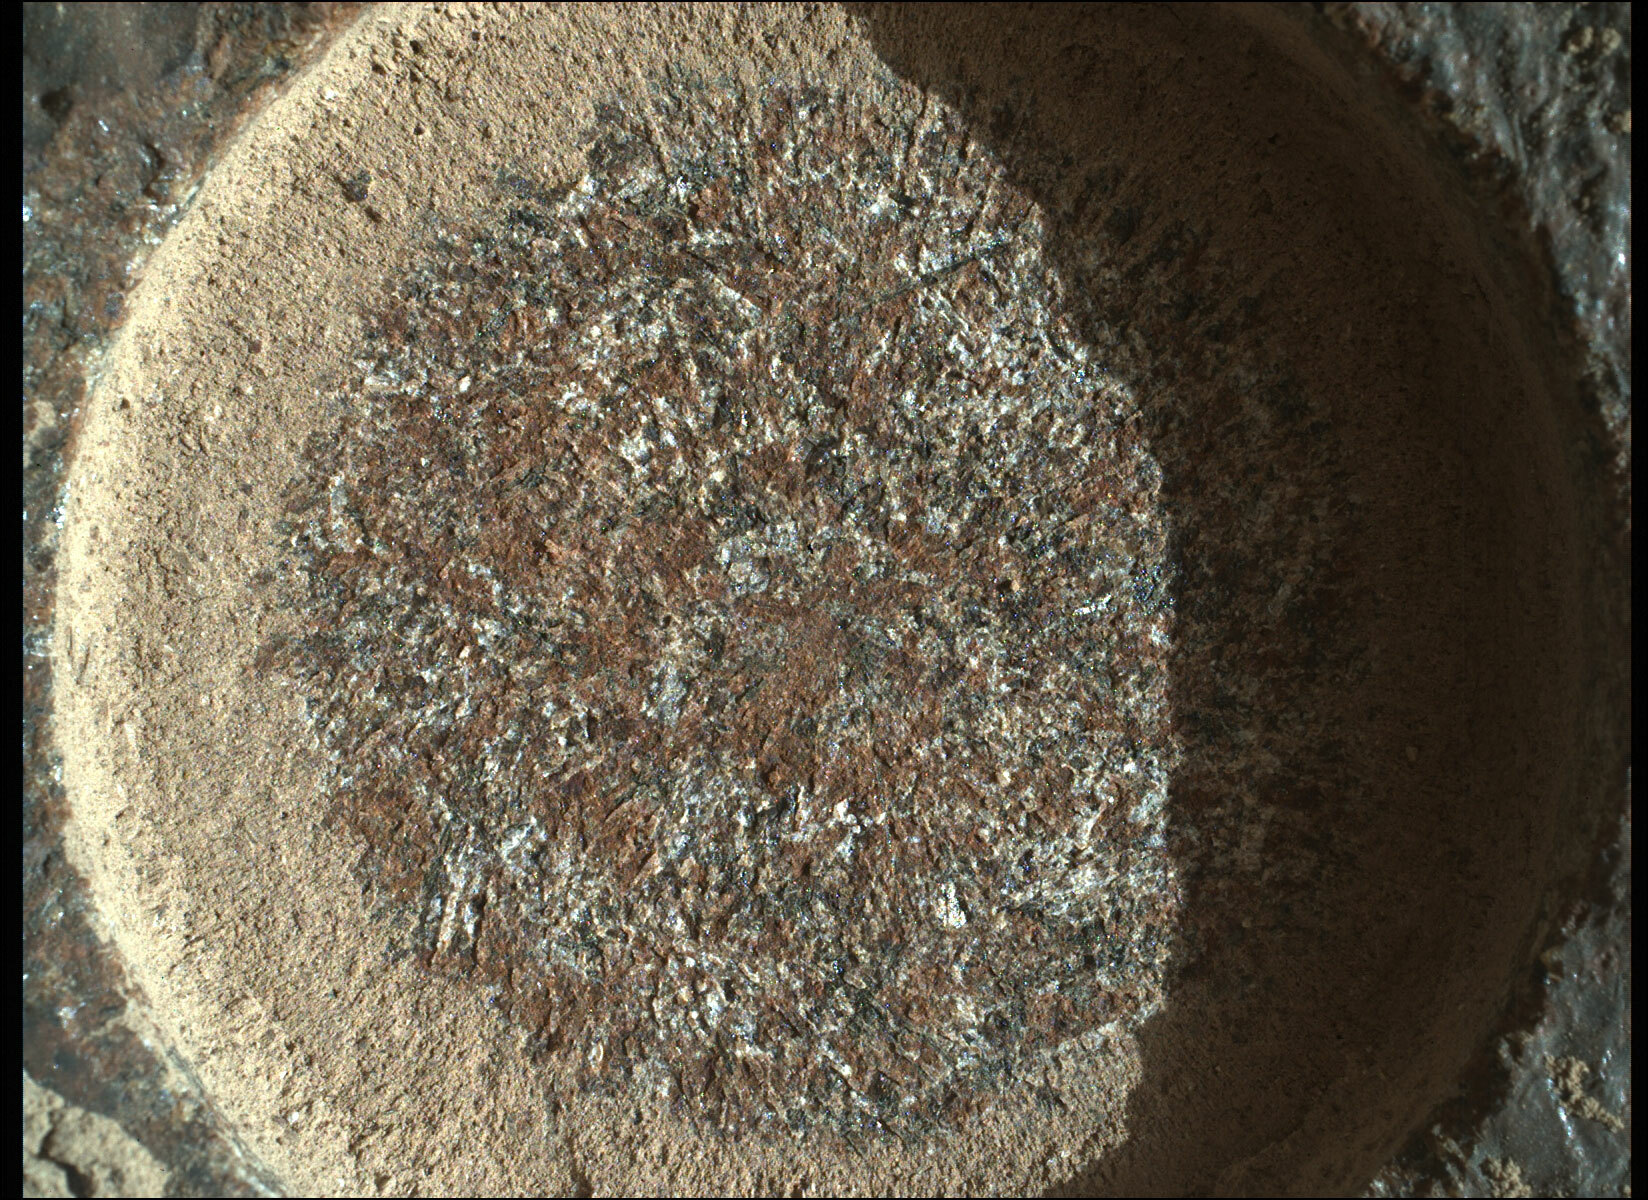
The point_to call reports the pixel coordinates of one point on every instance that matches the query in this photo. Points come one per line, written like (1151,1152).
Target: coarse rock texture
(68,1151)
(733,608)
(584,1070)
(124,107)
(612,539)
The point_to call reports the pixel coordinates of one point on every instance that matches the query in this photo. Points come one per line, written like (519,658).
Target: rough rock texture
(1552,145)
(798,752)
(68,1151)
(1563,134)
(123,108)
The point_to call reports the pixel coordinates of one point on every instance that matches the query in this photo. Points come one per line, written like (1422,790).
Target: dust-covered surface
(1254,834)
(123,109)
(68,1151)
(1536,100)
(1535,103)
(1560,1123)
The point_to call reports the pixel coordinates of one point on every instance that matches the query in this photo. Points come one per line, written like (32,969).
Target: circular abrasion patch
(738,623)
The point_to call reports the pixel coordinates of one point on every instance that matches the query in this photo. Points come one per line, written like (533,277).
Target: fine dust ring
(737,612)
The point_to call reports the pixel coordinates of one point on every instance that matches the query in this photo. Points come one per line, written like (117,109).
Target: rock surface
(1538,102)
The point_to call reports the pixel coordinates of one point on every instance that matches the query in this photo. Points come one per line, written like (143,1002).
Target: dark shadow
(1378,673)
